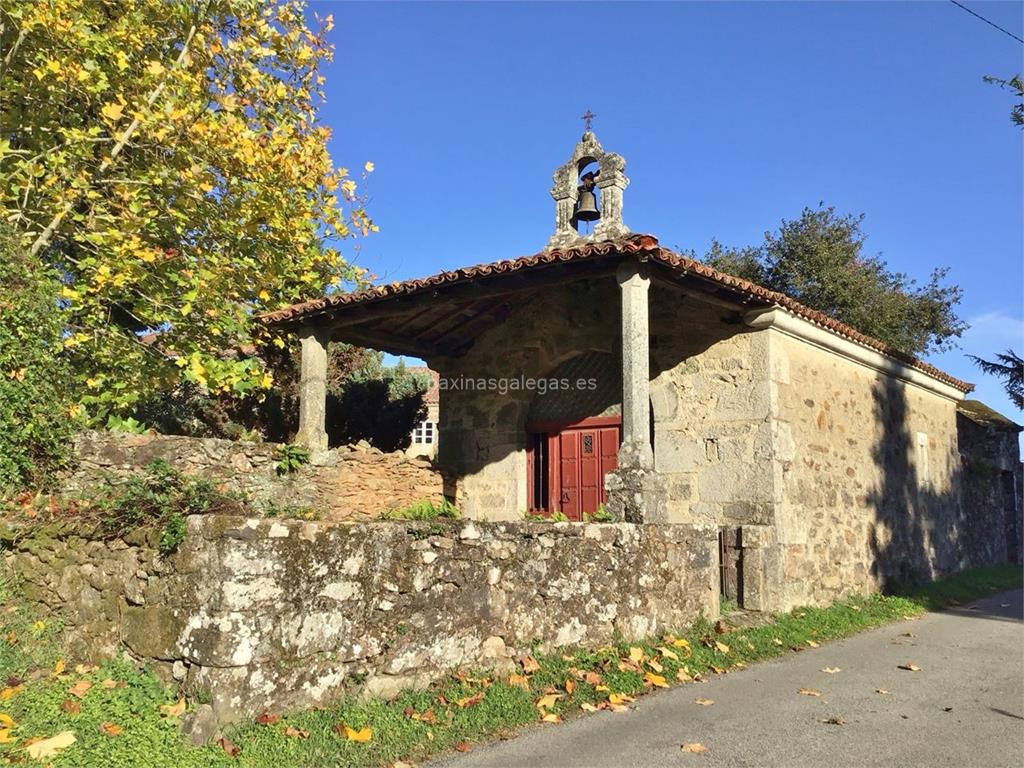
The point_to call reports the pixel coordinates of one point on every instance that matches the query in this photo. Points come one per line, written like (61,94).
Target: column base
(636,495)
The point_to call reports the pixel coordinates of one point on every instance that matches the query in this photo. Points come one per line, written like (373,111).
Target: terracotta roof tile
(638,244)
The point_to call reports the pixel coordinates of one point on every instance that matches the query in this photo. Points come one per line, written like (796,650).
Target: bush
(161,497)
(36,414)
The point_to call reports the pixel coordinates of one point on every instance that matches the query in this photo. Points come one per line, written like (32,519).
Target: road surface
(964,708)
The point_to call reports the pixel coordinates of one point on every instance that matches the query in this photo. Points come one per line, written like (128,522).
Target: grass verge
(43,696)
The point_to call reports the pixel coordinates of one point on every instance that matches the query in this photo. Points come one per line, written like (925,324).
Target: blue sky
(731,116)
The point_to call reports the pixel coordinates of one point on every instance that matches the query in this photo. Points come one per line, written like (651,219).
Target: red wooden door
(567,465)
(586,455)
(568,488)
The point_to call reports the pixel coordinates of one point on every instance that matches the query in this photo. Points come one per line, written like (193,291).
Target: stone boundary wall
(350,482)
(283,615)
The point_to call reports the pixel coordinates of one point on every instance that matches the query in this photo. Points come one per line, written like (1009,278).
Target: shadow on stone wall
(925,526)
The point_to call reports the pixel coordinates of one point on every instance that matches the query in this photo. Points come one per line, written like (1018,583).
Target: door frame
(551,430)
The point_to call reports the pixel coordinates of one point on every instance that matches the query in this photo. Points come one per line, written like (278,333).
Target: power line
(990,23)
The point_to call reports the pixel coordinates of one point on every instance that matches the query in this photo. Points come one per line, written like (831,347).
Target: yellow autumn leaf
(551,717)
(668,654)
(58,668)
(264,295)
(112,111)
(173,710)
(656,680)
(681,642)
(722,647)
(363,735)
(10,691)
(51,746)
(619,698)
(547,702)
(636,655)
(6,720)
(154,68)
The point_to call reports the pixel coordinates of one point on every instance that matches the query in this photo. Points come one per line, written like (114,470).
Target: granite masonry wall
(352,482)
(290,614)
(869,478)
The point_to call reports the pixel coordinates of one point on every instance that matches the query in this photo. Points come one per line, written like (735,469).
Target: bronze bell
(586,207)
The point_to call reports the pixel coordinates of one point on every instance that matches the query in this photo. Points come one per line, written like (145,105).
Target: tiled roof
(641,245)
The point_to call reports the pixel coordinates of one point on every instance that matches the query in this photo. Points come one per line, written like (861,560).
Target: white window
(424,433)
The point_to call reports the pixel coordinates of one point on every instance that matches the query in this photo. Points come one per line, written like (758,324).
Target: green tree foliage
(1016,86)
(1009,367)
(167,158)
(819,260)
(36,416)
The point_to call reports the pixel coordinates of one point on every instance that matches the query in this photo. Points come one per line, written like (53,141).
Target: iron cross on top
(588,120)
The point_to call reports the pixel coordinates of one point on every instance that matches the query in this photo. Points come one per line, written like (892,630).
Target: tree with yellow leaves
(167,159)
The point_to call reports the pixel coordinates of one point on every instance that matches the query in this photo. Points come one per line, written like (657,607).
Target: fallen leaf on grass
(58,668)
(593,678)
(79,688)
(636,655)
(462,746)
(265,719)
(833,721)
(831,670)
(519,681)
(812,644)
(586,706)
(470,701)
(695,748)
(84,669)
(71,707)
(547,702)
(174,710)
(656,680)
(229,746)
(809,692)
(703,702)
(5,736)
(108,684)
(681,643)
(909,667)
(10,691)
(110,729)
(551,717)
(296,732)
(619,698)
(722,647)
(653,664)
(683,676)
(362,736)
(530,664)
(570,686)
(6,720)
(722,628)
(51,746)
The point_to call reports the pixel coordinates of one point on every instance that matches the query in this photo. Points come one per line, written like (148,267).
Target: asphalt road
(964,708)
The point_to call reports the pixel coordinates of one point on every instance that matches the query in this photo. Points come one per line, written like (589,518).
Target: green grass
(424,509)
(150,739)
